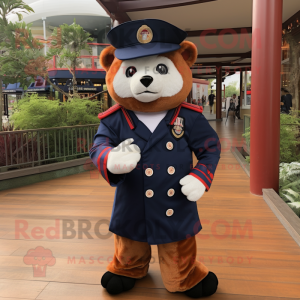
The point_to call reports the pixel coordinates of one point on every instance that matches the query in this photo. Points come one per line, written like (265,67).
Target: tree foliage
(9,7)
(231,89)
(23,58)
(68,41)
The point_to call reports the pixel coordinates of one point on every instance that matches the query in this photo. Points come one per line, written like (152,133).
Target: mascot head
(148,65)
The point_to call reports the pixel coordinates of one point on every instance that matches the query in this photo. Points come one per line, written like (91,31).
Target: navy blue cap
(144,38)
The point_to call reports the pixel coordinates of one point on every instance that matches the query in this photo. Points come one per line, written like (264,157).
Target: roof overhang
(221,29)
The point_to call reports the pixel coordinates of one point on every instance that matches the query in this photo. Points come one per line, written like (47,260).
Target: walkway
(242,240)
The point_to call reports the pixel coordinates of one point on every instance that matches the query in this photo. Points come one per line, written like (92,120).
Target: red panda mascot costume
(144,148)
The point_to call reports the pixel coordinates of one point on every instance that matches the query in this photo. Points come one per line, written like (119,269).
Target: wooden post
(265,107)
(219,93)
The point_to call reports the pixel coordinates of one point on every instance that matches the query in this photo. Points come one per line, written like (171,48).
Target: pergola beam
(241,55)
(113,9)
(229,64)
(141,5)
(219,32)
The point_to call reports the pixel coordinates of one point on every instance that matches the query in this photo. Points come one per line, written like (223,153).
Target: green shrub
(289,137)
(246,135)
(289,185)
(32,112)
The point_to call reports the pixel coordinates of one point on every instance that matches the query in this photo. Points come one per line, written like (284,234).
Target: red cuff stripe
(210,174)
(104,166)
(99,157)
(200,179)
(203,174)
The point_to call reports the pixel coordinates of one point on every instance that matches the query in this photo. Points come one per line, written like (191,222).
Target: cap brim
(142,50)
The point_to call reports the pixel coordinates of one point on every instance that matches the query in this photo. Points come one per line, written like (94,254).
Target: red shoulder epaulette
(188,106)
(109,111)
(114,109)
(192,107)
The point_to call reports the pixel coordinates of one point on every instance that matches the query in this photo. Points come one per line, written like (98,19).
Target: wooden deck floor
(262,262)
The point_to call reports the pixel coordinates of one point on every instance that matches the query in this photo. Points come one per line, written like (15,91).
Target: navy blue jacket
(165,214)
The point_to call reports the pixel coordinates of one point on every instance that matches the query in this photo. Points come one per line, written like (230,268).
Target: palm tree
(7,8)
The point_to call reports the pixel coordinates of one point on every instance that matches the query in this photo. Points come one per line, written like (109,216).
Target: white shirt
(152,119)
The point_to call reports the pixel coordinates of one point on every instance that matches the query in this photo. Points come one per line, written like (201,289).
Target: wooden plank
(23,288)
(263,267)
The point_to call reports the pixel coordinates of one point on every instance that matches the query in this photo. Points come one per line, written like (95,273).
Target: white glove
(192,187)
(123,158)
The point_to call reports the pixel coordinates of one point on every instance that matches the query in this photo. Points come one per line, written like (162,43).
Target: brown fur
(183,59)
(179,268)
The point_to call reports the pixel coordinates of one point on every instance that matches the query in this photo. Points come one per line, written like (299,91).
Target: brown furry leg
(131,258)
(179,268)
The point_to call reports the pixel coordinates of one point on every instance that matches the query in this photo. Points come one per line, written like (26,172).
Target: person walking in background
(235,100)
(203,101)
(211,99)
(288,101)
(283,101)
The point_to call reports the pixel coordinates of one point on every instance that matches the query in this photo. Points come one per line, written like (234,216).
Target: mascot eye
(162,69)
(130,71)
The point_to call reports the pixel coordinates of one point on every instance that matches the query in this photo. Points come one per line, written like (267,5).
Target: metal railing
(36,147)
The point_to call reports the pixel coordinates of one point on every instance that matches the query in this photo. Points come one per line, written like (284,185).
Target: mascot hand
(192,187)
(124,158)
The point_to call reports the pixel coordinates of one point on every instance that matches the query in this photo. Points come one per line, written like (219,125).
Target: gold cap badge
(144,34)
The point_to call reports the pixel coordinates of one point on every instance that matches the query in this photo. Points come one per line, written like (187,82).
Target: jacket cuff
(102,162)
(202,174)
(112,179)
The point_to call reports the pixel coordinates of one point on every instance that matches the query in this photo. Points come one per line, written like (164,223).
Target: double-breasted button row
(149,172)
(150,193)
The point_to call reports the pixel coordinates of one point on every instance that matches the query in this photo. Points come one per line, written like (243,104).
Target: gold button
(149,193)
(149,172)
(170,212)
(171,170)
(169,145)
(171,192)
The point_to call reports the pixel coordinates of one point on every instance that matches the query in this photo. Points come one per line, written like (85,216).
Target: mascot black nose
(146,80)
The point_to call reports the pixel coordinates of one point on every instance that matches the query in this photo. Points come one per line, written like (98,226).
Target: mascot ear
(189,52)
(107,57)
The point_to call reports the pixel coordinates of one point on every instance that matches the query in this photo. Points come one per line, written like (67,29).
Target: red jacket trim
(188,106)
(210,174)
(114,109)
(128,118)
(203,174)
